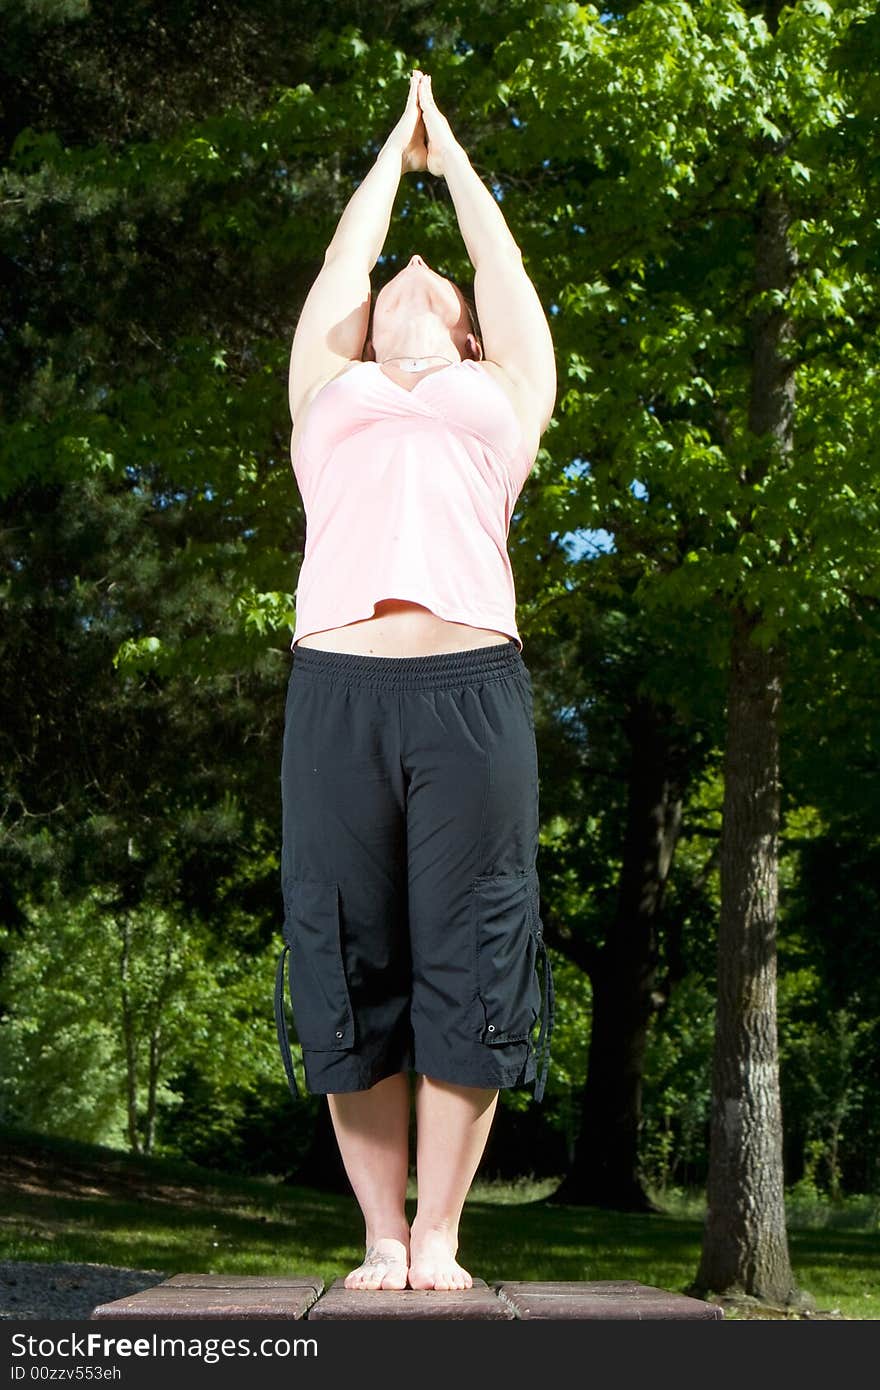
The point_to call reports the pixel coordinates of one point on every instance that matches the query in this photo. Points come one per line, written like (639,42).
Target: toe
(383,1274)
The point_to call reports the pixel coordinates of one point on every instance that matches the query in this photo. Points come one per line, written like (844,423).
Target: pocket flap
(319,992)
(506,953)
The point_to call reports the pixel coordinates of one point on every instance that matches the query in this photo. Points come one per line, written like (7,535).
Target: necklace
(416,364)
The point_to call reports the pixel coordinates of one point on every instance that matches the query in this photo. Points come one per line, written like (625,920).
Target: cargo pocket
(506,954)
(319,993)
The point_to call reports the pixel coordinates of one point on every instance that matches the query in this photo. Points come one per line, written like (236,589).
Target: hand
(441,140)
(409,136)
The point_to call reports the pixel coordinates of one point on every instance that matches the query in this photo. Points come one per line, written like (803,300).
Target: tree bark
(156,1054)
(745,1247)
(155,1066)
(128,1033)
(605,1171)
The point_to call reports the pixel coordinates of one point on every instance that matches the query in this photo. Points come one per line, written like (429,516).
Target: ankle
(430,1224)
(392,1229)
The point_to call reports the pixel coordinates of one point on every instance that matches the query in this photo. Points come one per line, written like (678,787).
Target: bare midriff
(401,628)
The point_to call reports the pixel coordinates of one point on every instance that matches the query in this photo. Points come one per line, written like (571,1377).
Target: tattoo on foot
(377,1257)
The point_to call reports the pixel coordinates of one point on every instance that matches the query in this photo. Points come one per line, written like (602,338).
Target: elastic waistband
(410,672)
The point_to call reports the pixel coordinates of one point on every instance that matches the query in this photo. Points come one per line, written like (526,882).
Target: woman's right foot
(384,1266)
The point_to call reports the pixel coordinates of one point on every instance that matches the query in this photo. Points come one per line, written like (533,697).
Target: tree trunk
(745,1247)
(605,1171)
(155,1054)
(155,1066)
(128,1034)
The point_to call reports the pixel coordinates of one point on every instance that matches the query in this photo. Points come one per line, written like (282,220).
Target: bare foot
(384,1266)
(432,1262)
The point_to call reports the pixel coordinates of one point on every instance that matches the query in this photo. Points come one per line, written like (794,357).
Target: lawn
(66,1201)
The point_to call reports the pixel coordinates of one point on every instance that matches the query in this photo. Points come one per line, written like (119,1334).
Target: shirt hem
(499,622)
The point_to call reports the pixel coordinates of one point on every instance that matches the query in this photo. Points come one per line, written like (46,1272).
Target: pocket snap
(506,956)
(319,993)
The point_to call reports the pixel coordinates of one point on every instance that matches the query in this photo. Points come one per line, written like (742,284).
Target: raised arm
(516,334)
(332,326)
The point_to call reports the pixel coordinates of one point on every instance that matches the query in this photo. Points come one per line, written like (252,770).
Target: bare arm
(332,326)
(516,334)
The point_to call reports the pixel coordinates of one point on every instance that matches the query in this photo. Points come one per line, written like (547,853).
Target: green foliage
(100,1005)
(822,1075)
(678,1089)
(166,196)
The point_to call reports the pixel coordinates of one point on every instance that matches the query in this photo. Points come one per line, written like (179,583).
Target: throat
(415,364)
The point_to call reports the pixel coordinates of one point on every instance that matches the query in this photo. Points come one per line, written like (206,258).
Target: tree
(745,1247)
(715,177)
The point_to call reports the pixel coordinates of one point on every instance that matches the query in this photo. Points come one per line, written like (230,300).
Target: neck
(417,364)
(417,336)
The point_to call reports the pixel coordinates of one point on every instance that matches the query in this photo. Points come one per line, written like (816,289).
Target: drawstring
(281,1022)
(548,1010)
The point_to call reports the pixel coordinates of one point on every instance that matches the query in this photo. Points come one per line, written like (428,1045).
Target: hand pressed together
(423,135)
(409,135)
(441,140)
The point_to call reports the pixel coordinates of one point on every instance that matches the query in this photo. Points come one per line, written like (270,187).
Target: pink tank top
(409,495)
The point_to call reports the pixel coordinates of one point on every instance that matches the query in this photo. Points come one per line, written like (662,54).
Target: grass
(66,1201)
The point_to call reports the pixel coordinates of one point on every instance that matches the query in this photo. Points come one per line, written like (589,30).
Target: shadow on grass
(539,1241)
(64,1201)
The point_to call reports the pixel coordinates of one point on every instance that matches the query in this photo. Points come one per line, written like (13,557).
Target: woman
(409,771)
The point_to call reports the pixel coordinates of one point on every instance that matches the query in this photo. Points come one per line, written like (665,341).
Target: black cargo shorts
(409,790)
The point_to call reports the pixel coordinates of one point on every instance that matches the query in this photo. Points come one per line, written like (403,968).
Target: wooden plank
(208,1296)
(568,1286)
(280,1297)
(242,1281)
(600,1299)
(477,1303)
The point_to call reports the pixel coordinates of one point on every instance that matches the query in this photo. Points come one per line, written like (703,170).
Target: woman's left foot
(432,1262)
